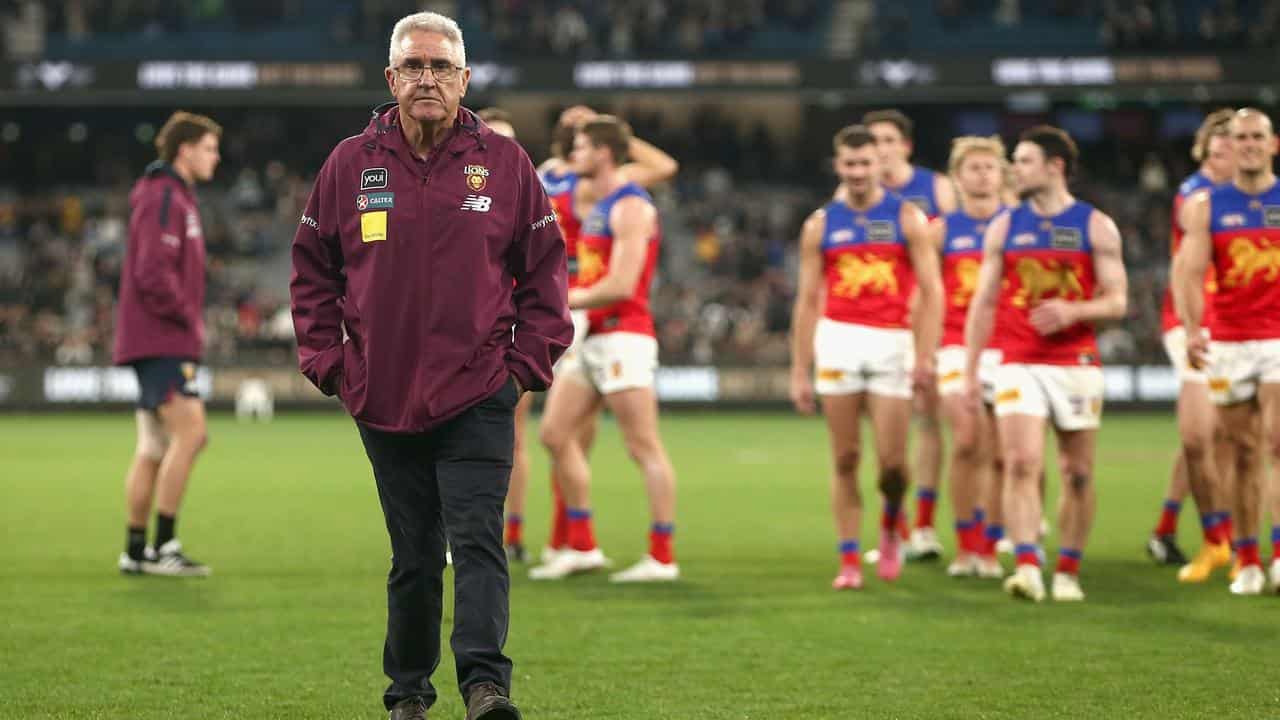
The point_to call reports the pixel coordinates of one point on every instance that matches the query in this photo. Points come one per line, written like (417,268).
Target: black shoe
(169,560)
(414,708)
(515,553)
(486,701)
(1165,551)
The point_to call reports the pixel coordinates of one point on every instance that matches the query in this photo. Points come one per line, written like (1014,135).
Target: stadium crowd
(724,288)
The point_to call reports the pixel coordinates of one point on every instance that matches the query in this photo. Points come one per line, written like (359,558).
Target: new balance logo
(477,203)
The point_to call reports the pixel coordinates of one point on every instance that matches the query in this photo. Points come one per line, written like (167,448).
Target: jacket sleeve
(536,260)
(318,285)
(158,232)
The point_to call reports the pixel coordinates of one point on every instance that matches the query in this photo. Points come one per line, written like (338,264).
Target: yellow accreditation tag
(373,226)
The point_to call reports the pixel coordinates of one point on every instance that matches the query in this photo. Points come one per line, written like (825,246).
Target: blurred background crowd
(731,218)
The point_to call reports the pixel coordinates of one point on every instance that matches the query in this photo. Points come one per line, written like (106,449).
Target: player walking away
(1236,228)
(865,253)
(617,256)
(1052,267)
(1196,417)
(934,194)
(573,197)
(160,332)
(977,165)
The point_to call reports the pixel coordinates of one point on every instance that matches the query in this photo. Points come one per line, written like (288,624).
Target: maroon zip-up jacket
(160,311)
(419,286)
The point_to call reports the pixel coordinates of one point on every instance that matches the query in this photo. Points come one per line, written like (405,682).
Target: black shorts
(160,378)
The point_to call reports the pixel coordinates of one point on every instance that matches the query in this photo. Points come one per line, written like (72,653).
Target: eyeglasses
(442,70)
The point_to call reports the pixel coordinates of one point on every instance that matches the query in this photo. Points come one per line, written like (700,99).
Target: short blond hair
(966,145)
(1216,124)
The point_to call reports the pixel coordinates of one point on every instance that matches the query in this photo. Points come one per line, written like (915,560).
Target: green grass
(291,624)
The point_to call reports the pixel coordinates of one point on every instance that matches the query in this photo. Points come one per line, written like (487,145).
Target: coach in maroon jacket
(429,292)
(160,333)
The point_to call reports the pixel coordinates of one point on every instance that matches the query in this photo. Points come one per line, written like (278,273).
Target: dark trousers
(449,482)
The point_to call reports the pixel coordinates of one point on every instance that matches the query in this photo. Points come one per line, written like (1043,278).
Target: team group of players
(968,299)
(982,309)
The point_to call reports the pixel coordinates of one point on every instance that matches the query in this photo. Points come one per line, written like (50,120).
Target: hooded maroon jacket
(160,312)
(409,275)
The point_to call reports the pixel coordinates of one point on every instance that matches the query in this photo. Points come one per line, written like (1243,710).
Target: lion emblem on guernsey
(1249,261)
(590,265)
(1051,278)
(864,273)
(967,281)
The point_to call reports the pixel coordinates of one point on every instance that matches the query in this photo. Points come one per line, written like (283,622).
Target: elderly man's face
(433,97)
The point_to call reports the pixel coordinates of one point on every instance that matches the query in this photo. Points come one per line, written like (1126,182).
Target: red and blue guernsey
(1046,258)
(560,186)
(920,190)
(1246,256)
(1197,182)
(595,248)
(961,260)
(866,264)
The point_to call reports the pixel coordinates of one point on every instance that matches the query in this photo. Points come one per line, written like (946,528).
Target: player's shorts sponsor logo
(1271,215)
(869,273)
(375,201)
(1250,260)
(615,369)
(1051,278)
(880,231)
(477,176)
(840,236)
(951,376)
(1066,238)
(829,374)
(373,178)
(1024,239)
(1219,385)
(1011,395)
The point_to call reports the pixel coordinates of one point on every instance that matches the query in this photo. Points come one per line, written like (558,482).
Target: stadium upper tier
(584,29)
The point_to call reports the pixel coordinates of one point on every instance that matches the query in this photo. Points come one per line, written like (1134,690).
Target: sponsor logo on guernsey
(880,231)
(477,176)
(1024,239)
(373,178)
(1271,216)
(375,201)
(477,203)
(1066,238)
(964,242)
(1232,220)
(308,221)
(595,224)
(840,236)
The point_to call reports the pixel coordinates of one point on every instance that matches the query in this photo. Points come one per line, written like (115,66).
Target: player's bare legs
(1198,461)
(636,410)
(140,487)
(1269,404)
(972,451)
(843,414)
(890,424)
(1239,422)
(924,544)
(570,403)
(1022,447)
(181,423)
(1077,504)
(517,490)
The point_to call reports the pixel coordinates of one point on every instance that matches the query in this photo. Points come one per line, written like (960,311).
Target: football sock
(925,501)
(1168,524)
(135,542)
(165,528)
(1069,561)
(660,535)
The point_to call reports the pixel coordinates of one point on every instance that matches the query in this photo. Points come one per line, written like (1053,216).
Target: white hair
(427,22)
